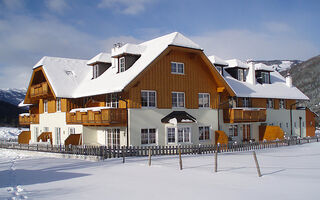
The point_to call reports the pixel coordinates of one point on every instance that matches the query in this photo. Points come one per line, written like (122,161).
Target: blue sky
(244,29)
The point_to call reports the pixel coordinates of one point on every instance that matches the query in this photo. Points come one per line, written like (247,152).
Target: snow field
(10,132)
(287,173)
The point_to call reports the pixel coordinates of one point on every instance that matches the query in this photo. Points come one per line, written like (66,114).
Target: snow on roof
(261,66)
(22,104)
(218,61)
(237,63)
(65,74)
(129,49)
(100,58)
(277,89)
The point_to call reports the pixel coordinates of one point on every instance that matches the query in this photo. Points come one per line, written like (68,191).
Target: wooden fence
(106,152)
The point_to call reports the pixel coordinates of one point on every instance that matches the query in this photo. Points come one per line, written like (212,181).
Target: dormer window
(177,68)
(241,76)
(122,64)
(219,68)
(95,71)
(263,77)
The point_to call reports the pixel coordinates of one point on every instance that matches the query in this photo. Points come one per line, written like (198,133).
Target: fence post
(257,164)
(180,160)
(149,156)
(123,155)
(216,161)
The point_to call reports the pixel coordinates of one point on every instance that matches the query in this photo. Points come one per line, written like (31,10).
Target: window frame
(247,100)
(177,103)
(45,106)
(177,68)
(112,96)
(58,105)
(204,138)
(233,130)
(122,60)
(148,137)
(265,77)
(148,98)
(176,134)
(203,99)
(282,105)
(268,103)
(71,132)
(95,71)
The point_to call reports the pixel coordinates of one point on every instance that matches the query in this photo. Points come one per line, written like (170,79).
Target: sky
(243,29)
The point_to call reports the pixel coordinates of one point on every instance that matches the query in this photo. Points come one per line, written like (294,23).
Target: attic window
(241,75)
(95,71)
(122,64)
(177,68)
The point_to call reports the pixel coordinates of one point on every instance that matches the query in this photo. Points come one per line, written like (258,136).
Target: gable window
(246,102)
(122,64)
(281,104)
(177,68)
(204,133)
(269,103)
(95,71)
(45,106)
(148,98)
(177,99)
(112,100)
(148,136)
(233,130)
(58,105)
(204,100)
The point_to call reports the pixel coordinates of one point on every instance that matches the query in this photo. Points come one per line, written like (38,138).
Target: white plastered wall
(96,135)
(52,121)
(151,118)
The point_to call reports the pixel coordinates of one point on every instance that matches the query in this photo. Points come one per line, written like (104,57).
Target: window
(148,98)
(282,104)
(71,130)
(302,124)
(204,100)
(280,124)
(58,136)
(95,71)
(219,69)
(58,105)
(113,137)
(265,77)
(184,134)
(45,106)
(177,68)
(122,65)
(171,135)
(241,76)
(287,125)
(246,102)
(148,136)
(112,100)
(204,133)
(36,133)
(295,124)
(269,103)
(233,130)
(177,99)
(45,129)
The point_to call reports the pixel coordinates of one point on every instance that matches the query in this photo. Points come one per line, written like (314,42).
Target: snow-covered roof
(277,89)
(72,78)
(100,58)
(65,74)
(128,49)
(261,66)
(217,61)
(237,63)
(22,104)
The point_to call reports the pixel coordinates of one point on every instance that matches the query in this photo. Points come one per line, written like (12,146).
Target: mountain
(12,96)
(279,65)
(9,114)
(306,77)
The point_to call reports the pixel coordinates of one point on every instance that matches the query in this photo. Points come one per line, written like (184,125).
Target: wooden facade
(244,115)
(310,123)
(28,119)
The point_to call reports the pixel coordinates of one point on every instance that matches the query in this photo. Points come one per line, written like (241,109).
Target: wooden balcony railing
(27,119)
(241,115)
(103,117)
(39,90)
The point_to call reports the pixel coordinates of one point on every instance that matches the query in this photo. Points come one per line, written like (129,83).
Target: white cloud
(130,7)
(246,44)
(58,6)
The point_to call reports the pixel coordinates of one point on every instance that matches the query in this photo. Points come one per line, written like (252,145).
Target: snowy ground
(288,173)
(10,132)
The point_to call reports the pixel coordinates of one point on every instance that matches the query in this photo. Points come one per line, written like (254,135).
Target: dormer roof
(263,67)
(217,61)
(100,58)
(237,63)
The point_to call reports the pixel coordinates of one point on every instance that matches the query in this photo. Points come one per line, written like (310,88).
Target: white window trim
(95,71)
(58,139)
(268,105)
(58,102)
(176,134)
(124,63)
(203,140)
(112,102)
(155,144)
(199,100)
(148,99)
(284,104)
(176,72)
(184,100)
(45,106)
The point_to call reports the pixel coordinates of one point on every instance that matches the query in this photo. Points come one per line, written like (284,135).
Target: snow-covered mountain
(12,96)
(279,65)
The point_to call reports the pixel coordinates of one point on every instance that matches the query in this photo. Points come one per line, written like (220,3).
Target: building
(165,91)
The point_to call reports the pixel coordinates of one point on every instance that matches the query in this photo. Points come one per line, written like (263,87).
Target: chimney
(251,77)
(289,80)
(114,61)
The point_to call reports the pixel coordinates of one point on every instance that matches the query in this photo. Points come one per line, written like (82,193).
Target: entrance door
(113,137)
(246,132)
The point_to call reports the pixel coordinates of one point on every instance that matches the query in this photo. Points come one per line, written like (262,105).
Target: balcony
(39,91)
(242,115)
(27,119)
(98,116)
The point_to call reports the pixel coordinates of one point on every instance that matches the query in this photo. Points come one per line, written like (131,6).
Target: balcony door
(58,135)
(113,137)
(246,129)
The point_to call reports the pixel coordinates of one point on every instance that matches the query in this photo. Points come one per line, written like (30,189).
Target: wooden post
(123,154)
(149,156)
(216,161)
(257,164)
(180,160)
